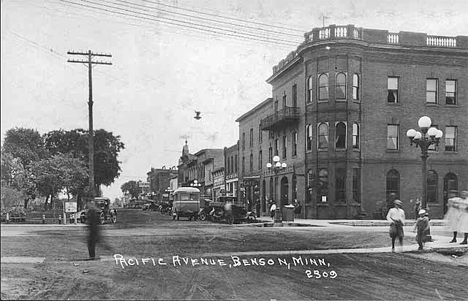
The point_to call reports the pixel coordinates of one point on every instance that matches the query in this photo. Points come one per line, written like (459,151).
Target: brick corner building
(340,108)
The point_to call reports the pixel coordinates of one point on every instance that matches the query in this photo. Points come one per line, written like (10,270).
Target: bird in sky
(197,115)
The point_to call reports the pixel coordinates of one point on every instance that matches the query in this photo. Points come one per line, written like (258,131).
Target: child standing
(422,228)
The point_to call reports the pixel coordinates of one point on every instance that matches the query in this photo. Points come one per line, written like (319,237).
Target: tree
(25,144)
(132,188)
(106,151)
(57,173)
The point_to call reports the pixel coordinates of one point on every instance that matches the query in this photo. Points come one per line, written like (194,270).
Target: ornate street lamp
(195,184)
(424,139)
(277,166)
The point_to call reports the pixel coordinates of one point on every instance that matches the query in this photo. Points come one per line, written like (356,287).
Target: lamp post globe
(424,122)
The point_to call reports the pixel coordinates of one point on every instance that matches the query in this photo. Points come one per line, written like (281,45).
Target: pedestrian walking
(463,220)
(422,228)
(94,235)
(396,217)
(452,217)
(272,209)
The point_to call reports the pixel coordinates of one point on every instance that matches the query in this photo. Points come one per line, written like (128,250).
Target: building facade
(159,182)
(231,164)
(341,105)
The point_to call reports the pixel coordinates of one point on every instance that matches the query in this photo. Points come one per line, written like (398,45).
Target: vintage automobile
(186,203)
(238,213)
(151,206)
(106,213)
(205,209)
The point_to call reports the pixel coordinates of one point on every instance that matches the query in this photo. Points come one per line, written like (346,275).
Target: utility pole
(90,64)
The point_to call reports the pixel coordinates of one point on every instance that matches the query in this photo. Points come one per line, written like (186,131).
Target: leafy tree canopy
(132,188)
(25,144)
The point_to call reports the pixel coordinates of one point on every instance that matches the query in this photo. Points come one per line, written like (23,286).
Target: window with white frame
(310,89)
(451,92)
(340,135)
(392,137)
(355,135)
(323,87)
(309,137)
(431,90)
(355,87)
(294,144)
(392,84)
(450,138)
(322,136)
(340,86)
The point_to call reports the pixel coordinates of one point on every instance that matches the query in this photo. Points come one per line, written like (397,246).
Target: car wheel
(113,218)
(251,219)
(202,216)
(82,219)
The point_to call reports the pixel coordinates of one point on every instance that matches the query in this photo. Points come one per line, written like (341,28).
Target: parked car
(106,213)
(151,206)
(238,212)
(205,208)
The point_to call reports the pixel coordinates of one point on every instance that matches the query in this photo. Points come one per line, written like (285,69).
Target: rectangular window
(260,134)
(276,147)
(355,136)
(243,141)
(431,90)
(451,92)
(355,87)
(309,89)
(251,137)
(309,137)
(285,146)
(236,164)
(260,161)
(340,182)
(294,151)
(243,165)
(294,96)
(450,138)
(392,137)
(270,154)
(357,185)
(284,101)
(392,96)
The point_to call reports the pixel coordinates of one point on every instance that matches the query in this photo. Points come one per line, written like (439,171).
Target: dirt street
(156,258)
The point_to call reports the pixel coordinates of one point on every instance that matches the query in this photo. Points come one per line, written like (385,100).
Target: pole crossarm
(87,62)
(87,53)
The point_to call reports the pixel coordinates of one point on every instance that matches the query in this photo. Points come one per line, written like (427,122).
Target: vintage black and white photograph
(234,150)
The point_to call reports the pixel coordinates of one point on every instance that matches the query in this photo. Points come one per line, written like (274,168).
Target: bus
(186,203)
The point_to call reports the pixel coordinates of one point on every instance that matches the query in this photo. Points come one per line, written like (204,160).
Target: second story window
(392,137)
(340,139)
(294,96)
(243,164)
(451,92)
(323,87)
(309,137)
(450,138)
(243,141)
(355,87)
(270,154)
(251,163)
(356,136)
(276,106)
(260,161)
(310,89)
(392,96)
(260,134)
(323,136)
(284,100)
(294,144)
(340,91)
(285,146)
(276,147)
(251,137)
(431,90)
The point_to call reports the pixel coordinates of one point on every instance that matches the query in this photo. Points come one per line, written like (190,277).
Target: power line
(200,27)
(226,17)
(212,20)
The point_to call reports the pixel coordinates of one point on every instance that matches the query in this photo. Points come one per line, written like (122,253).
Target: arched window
(355,87)
(340,87)
(340,139)
(393,182)
(309,89)
(323,136)
(432,180)
(323,87)
(355,136)
(323,182)
(309,137)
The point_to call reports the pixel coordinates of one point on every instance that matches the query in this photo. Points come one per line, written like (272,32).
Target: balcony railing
(283,117)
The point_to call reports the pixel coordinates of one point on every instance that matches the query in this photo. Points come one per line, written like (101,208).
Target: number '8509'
(320,274)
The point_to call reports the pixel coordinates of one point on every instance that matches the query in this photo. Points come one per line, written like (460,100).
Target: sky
(169,59)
